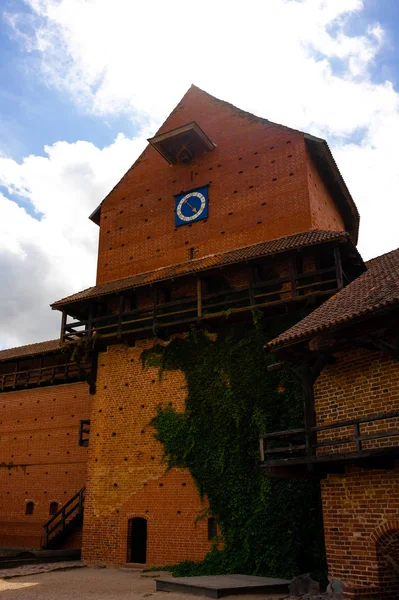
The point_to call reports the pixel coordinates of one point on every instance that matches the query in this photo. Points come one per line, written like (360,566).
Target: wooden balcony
(200,306)
(45,375)
(370,442)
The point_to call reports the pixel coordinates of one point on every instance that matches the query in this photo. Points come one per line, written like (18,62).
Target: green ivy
(269,526)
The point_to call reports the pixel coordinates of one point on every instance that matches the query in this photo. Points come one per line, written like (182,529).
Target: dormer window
(183,144)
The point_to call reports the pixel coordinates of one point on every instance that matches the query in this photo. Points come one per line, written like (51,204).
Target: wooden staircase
(70,516)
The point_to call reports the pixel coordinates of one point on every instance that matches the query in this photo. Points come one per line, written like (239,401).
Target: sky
(84,83)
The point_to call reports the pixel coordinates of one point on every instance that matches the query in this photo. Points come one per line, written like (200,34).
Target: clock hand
(191,206)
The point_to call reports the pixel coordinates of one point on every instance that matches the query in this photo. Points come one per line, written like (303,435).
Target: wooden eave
(159,142)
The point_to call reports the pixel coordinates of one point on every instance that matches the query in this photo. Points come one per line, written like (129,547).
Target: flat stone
(156,574)
(217,586)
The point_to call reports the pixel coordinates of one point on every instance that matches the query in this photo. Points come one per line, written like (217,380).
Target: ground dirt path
(94,584)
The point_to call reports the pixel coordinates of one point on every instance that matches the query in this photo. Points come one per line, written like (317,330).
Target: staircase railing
(60,520)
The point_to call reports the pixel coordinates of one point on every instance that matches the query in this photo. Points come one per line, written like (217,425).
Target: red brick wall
(258,178)
(360,508)
(126,473)
(40,459)
(325,214)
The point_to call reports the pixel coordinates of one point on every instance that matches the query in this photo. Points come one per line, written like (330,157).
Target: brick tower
(223,212)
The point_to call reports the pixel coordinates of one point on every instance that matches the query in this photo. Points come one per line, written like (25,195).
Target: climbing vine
(269,526)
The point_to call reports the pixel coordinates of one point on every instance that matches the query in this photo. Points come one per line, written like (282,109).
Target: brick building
(223,211)
(44,396)
(351,343)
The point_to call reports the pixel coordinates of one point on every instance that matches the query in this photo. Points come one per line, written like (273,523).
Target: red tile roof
(374,290)
(30,350)
(283,244)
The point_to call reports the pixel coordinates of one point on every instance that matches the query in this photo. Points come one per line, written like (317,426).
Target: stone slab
(217,586)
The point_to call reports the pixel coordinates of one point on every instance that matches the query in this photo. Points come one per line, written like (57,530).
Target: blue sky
(34,114)
(85,82)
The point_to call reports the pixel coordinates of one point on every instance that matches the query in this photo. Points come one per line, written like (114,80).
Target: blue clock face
(191,206)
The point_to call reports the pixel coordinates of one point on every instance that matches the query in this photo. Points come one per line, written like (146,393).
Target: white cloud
(44,260)
(277,59)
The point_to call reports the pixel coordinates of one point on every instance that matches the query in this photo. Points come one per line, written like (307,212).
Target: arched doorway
(137,540)
(388,563)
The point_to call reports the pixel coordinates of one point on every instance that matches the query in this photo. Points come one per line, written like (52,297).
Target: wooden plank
(309,413)
(120,313)
(199,297)
(250,273)
(293,275)
(154,305)
(338,268)
(63,323)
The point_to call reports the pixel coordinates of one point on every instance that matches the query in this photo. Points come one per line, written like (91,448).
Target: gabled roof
(374,290)
(278,245)
(30,350)
(318,149)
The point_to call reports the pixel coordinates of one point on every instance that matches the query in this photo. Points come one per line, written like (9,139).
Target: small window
(212,528)
(29,508)
(53,508)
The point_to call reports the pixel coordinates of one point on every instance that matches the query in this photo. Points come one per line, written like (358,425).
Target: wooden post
(121,310)
(63,323)
(293,274)
(338,268)
(16,373)
(262,449)
(41,368)
(154,305)
(89,325)
(199,298)
(309,412)
(251,285)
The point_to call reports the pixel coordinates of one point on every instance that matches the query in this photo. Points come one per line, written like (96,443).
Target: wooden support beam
(293,276)
(63,324)
(121,310)
(199,298)
(338,268)
(154,305)
(251,285)
(89,325)
(309,416)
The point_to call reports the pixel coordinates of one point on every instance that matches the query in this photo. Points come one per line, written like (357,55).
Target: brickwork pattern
(360,506)
(361,384)
(258,190)
(127,477)
(323,210)
(41,461)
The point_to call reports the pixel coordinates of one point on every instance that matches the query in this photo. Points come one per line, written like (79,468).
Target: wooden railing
(42,375)
(206,306)
(58,524)
(355,444)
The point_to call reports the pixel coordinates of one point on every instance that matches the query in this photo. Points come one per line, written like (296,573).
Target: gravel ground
(92,583)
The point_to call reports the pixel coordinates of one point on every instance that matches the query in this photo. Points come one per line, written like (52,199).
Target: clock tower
(223,213)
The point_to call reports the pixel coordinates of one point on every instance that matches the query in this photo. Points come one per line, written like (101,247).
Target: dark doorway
(137,540)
